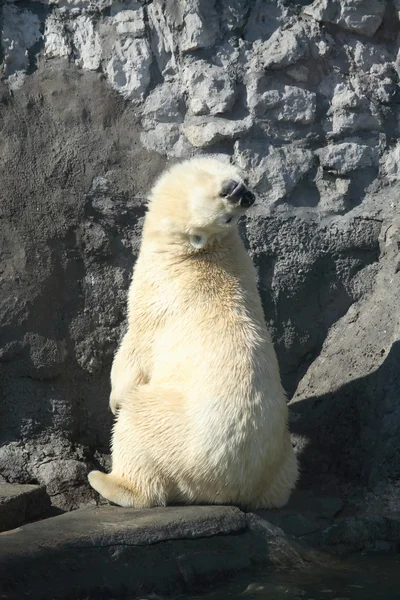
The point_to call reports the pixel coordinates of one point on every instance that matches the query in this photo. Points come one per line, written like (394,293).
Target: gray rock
(211,90)
(333,192)
(234,14)
(284,47)
(345,157)
(390,164)
(360,16)
(110,525)
(281,103)
(206,131)
(362,533)
(288,45)
(357,364)
(273,172)
(56,41)
(77,4)
(261,526)
(21,503)
(305,514)
(164,104)
(166,138)
(57,475)
(162,38)
(349,122)
(299,73)
(112,549)
(86,43)
(128,17)
(200,25)
(129,67)
(20,31)
(265,17)
(95,97)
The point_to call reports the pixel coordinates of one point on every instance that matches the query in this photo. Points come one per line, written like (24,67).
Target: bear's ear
(198,240)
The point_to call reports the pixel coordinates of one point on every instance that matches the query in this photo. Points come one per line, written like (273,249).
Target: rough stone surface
(348,156)
(363,533)
(357,365)
(211,90)
(206,131)
(20,31)
(110,551)
(361,16)
(306,513)
(95,97)
(20,503)
(109,525)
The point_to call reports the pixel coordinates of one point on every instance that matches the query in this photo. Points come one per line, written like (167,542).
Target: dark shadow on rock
(319,302)
(305,193)
(360,182)
(66,262)
(304,274)
(353,433)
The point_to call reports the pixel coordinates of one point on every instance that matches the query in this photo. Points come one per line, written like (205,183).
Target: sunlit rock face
(96,97)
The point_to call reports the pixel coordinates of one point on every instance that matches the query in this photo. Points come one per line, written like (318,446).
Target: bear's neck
(180,243)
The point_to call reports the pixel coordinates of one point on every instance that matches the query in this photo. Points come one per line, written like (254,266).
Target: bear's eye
(228,220)
(228,187)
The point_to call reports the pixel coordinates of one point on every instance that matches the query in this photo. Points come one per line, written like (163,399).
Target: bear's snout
(238,193)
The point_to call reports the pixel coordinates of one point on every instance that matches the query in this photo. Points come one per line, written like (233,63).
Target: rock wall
(95,97)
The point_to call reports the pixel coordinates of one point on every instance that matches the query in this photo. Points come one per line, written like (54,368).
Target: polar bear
(202,415)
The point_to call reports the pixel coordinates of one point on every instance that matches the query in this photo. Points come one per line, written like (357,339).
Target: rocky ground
(110,552)
(95,98)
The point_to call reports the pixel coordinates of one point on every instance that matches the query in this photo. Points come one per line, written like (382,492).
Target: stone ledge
(20,503)
(109,551)
(106,526)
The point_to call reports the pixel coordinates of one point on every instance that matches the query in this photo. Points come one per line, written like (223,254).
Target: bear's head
(198,201)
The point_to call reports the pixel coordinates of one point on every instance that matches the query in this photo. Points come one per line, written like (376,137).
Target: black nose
(238,193)
(247,200)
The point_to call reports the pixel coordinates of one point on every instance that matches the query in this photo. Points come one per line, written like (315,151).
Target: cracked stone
(200,28)
(273,172)
(21,30)
(211,90)
(129,67)
(390,164)
(128,18)
(205,131)
(20,503)
(265,17)
(283,103)
(162,39)
(348,156)
(349,122)
(86,42)
(287,46)
(361,16)
(77,4)
(333,192)
(55,40)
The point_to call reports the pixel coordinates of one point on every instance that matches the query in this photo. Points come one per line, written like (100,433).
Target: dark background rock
(95,99)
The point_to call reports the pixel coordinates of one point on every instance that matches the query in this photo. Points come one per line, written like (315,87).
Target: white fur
(202,414)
